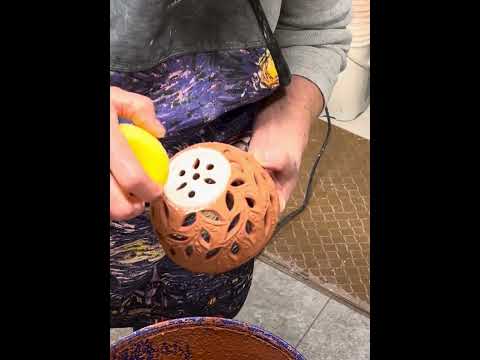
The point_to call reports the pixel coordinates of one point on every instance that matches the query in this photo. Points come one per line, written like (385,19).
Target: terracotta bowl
(203,339)
(219,208)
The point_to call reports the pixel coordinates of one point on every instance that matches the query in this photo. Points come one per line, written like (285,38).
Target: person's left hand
(281,132)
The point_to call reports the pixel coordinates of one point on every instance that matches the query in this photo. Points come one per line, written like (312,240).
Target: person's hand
(281,132)
(130,186)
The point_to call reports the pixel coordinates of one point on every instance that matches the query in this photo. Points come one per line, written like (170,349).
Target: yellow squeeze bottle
(149,152)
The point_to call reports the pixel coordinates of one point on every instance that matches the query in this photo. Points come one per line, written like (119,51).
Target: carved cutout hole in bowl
(235,248)
(229,200)
(210,214)
(249,227)
(233,223)
(177,237)
(189,219)
(205,235)
(196,164)
(212,253)
(238,182)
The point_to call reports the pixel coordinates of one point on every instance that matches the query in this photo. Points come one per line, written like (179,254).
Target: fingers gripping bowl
(219,208)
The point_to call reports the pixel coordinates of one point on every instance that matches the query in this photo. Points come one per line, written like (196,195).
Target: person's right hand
(130,186)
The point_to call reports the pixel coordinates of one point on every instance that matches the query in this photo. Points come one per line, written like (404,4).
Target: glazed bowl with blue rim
(203,338)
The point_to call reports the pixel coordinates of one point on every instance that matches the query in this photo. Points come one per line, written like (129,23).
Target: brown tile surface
(328,245)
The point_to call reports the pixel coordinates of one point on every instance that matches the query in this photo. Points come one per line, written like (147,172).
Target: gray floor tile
(339,333)
(116,334)
(281,304)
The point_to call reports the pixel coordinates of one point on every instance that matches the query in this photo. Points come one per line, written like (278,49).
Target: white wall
(351,95)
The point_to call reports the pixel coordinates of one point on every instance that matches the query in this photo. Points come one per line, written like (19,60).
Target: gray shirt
(311,33)
(313,36)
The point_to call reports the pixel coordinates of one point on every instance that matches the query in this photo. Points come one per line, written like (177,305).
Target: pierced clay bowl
(203,339)
(219,208)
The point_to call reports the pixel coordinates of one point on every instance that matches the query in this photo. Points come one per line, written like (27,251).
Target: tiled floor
(328,245)
(281,304)
(320,327)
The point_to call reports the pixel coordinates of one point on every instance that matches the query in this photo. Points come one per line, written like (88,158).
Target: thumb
(268,158)
(282,200)
(138,109)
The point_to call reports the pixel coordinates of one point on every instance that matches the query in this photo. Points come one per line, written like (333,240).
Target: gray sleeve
(314,39)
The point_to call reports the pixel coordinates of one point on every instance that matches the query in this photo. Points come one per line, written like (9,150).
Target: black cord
(308,193)
(350,120)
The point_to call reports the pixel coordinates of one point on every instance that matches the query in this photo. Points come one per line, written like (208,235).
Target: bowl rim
(255,330)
